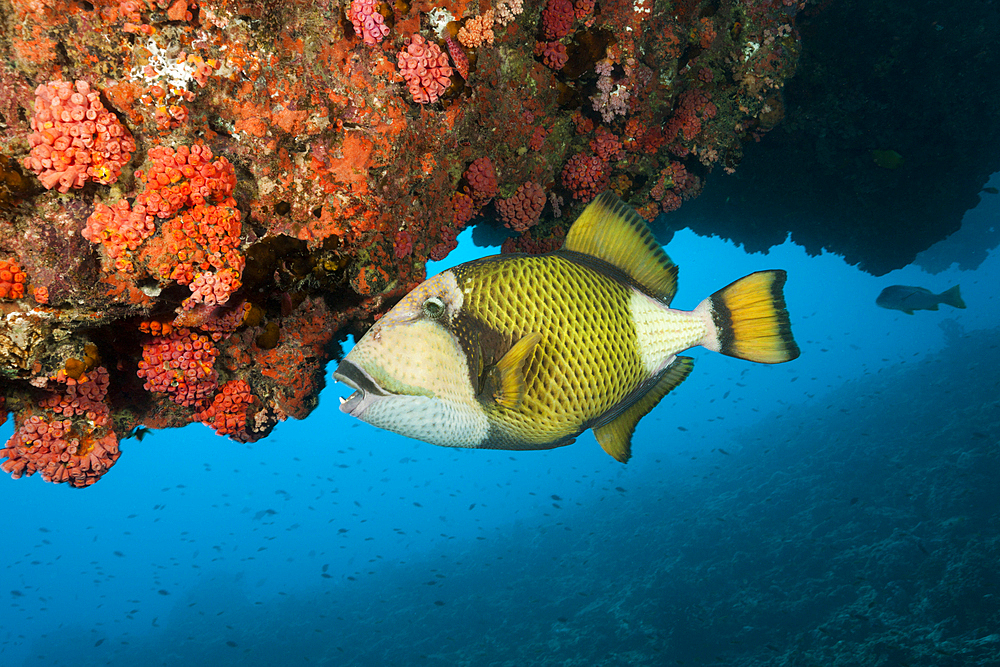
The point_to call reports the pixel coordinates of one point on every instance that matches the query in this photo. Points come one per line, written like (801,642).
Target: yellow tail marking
(751,319)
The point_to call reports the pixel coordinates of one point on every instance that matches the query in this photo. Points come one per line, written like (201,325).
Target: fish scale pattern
(587,361)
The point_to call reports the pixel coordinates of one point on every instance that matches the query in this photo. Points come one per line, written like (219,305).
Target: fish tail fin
(952,297)
(748,319)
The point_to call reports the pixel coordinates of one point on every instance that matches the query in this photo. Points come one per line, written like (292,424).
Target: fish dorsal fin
(615,437)
(611,230)
(505,383)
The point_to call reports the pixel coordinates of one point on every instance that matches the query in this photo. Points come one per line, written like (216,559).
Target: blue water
(840,509)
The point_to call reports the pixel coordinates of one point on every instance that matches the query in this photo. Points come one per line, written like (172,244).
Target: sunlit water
(197,549)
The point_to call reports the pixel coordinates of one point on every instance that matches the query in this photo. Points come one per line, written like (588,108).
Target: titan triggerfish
(524,351)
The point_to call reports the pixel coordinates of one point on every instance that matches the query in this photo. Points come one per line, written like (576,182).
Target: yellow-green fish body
(528,351)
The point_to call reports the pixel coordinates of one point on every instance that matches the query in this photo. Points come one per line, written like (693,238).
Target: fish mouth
(366,389)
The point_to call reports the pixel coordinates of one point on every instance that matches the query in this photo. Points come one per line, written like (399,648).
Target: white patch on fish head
(438,421)
(411,374)
(410,349)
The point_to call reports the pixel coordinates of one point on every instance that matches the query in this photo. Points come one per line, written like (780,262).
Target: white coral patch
(439,20)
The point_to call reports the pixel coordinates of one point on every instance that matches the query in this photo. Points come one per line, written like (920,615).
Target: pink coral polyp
(482,178)
(180,365)
(553,54)
(75,138)
(367,21)
(68,437)
(425,68)
(227,413)
(212,288)
(522,211)
(585,176)
(557,19)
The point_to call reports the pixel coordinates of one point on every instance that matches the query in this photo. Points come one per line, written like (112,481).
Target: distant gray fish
(909,299)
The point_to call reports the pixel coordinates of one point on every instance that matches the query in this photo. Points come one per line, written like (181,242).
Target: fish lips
(366,389)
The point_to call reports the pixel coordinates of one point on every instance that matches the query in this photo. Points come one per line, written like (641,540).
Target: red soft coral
(522,211)
(585,176)
(482,179)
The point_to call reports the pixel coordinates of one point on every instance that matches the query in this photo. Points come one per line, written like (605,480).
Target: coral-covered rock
(227,190)
(296,363)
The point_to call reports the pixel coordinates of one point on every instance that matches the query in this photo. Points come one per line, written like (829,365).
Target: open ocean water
(841,509)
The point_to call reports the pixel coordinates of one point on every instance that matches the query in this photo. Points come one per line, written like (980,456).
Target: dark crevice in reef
(891,129)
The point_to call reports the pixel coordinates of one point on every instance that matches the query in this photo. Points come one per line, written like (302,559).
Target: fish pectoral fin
(505,383)
(615,437)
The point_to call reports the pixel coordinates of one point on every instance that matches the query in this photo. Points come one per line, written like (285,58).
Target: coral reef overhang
(890,132)
(199,201)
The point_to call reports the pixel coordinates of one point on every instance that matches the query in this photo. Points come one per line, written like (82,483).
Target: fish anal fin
(615,437)
(611,230)
(505,383)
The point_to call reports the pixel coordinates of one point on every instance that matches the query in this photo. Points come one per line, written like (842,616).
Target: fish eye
(433,307)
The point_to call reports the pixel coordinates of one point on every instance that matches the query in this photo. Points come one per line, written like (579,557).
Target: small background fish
(887,159)
(909,299)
